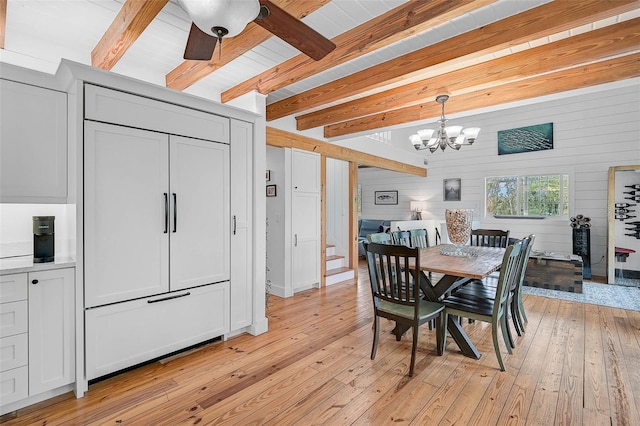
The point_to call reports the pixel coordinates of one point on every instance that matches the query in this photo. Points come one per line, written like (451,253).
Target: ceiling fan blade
(200,45)
(293,31)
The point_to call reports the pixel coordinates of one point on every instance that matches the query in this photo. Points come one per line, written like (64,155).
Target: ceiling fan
(215,19)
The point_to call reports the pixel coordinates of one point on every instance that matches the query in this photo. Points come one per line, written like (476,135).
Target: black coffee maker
(43,239)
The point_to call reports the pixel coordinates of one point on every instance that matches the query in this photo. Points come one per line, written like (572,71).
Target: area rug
(614,296)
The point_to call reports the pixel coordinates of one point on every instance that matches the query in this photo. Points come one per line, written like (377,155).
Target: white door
(241,215)
(305,222)
(199,206)
(126,215)
(51,329)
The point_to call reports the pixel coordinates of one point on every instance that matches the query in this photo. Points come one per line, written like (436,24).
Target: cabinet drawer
(14,385)
(14,351)
(128,333)
(13,287)
(112,106)
(13,318)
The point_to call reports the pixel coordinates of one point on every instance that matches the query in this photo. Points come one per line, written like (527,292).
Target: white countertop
(21,264)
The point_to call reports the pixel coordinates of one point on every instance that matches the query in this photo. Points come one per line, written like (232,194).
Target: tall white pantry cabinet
(167,248)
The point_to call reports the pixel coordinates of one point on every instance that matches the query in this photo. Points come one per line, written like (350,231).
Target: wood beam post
(323,220)
(353,219)
(283,139)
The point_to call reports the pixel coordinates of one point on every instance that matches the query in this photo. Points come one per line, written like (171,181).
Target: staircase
(337,272)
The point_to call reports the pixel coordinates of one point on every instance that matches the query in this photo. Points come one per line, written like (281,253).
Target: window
(528,196)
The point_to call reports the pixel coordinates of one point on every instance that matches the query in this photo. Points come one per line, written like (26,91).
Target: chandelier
(453,136)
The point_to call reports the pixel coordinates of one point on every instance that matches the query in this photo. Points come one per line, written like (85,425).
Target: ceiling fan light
(425,134)
(232,15)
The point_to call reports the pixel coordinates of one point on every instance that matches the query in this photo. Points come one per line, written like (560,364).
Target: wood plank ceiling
(553,47)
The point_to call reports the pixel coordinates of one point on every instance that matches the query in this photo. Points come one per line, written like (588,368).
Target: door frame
(611,200)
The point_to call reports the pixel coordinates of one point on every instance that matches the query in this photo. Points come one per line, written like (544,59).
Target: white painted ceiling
(39,33)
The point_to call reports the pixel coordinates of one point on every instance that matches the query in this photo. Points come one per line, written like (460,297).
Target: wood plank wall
(591,133)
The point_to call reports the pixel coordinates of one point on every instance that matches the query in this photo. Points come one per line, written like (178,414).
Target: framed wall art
(451,189)
(271,190)
(525,139)
(386,197)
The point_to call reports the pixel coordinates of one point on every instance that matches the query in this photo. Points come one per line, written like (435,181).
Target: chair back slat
(419,238)
(392,269)
(380,238)
(401,238)
(489,237)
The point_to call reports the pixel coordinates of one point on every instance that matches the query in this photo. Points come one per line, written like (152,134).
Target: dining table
(479,263)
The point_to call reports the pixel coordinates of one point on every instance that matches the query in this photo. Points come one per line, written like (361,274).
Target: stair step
(330,250)
(333,262)
(337,271)
(338,275)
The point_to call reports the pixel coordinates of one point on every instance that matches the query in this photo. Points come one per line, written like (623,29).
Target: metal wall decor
(525,139)
(626,210)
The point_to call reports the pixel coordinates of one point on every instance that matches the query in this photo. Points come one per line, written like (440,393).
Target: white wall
(592,132)
(337,204)
(276,232)
(16,228)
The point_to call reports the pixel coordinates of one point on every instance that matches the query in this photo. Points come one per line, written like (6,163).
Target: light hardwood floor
(576,364)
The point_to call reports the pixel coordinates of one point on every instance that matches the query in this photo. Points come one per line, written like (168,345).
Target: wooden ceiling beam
(597,45)
(408,19)
(620,68)
(284,139)
(3,21)
(132,19)
(542,21)
(190,72)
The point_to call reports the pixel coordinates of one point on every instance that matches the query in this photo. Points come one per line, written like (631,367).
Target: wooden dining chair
(489,238)
(491,310)
(401,238)
(419,238)
(482,289)
(396,293)
(380,238)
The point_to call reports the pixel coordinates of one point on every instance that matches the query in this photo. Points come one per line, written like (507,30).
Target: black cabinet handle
(234,224)
(166,212)
(176,296)
(34,282)
(175,212)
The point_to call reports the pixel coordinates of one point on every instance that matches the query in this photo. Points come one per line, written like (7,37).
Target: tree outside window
(528,196)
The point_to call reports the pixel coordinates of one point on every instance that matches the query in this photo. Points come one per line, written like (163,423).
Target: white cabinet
(126,226)
(128,333)
(38,333)
(156,213)
(241,226)
(14,327)
(157,229)
(199,222)
(51,329)
(305,220)
(33,148)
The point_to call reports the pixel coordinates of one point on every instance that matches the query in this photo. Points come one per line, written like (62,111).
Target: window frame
(568,196)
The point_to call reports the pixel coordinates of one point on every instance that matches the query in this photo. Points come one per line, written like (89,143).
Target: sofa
(370,226)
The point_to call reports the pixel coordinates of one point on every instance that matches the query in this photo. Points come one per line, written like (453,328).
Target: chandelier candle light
(453,136)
